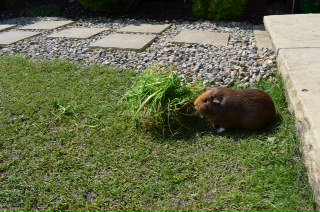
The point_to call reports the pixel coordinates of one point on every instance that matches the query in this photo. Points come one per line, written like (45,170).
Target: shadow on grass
(243,134)
(195,125)
(187,128)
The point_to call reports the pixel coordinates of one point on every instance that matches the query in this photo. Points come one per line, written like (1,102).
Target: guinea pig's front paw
(220,130)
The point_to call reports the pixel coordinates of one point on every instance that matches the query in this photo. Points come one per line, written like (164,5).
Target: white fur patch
(220,130)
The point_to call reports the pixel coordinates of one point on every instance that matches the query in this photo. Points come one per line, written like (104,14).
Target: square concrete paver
(294,31)
(6,26)
(79,33)
(262,37)
(124,42)
(146,28)
(202,37)
(47,25)
(15,36)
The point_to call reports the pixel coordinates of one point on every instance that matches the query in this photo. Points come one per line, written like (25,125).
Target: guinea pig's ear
(216,100)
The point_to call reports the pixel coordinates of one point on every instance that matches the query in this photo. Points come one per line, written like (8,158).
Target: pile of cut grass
(160,101)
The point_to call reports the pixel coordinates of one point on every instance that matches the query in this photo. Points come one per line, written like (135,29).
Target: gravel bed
(239,62)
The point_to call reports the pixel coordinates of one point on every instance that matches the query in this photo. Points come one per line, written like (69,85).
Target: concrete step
(129,42)
(294,31)
(146,28)
(297,42)
(41,25)
(77,33)
(11,37)
(262,37)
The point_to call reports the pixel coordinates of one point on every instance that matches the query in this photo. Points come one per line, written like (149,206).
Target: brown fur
(250,109)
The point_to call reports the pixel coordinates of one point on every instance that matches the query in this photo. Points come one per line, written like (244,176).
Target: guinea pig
(249,109)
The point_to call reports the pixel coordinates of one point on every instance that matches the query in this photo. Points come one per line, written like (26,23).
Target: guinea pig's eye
(205,101)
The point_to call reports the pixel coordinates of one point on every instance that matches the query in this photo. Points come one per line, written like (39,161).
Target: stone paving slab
(77,33)
(300,68)
(294,31)
(47,25)
(202,37)
(129,42)
(15,36)
(262,37)
(146,28)
(4,27)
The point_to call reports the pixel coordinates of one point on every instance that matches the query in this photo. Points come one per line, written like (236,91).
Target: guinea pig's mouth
(196,111)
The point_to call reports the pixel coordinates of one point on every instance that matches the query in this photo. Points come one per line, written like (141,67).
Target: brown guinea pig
(250,109)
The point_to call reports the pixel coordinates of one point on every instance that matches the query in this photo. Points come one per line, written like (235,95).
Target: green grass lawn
(67,143)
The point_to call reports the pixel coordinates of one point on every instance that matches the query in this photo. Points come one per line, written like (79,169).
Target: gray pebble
(214,65)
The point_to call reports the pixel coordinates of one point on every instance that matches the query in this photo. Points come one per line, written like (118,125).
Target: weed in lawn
(64,109)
